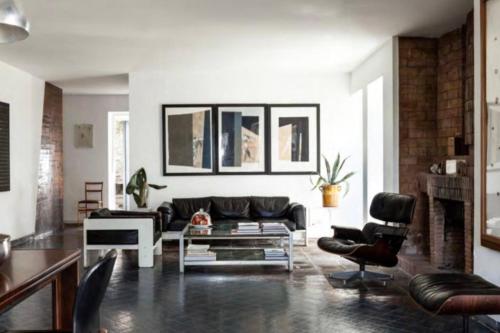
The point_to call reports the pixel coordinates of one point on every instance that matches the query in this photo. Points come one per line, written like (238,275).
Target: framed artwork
(188,139)
(84,136)
(241,139)
(295,138)
(4,147)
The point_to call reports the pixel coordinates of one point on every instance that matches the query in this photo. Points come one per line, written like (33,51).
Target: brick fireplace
(436,91)
(450,221)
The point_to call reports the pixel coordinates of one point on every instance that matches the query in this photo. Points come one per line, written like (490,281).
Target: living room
(190,159)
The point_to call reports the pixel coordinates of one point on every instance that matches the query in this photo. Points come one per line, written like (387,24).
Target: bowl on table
(4,247)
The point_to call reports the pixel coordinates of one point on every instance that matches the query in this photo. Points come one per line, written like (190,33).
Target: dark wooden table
(27,271)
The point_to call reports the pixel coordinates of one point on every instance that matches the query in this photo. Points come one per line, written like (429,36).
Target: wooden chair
(93,200)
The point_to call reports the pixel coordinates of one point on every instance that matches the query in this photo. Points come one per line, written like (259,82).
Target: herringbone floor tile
(233,300)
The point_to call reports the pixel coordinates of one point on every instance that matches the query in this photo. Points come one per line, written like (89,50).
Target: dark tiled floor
(240,299)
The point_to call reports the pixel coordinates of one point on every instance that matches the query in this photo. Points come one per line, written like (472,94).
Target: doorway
(118,159)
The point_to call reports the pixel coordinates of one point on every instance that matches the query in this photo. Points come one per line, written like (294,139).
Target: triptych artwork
(240,139)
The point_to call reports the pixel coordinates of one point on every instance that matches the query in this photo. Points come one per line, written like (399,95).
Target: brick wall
(49,215)
(436,103)
(417,122)
(450,94)
(417,105)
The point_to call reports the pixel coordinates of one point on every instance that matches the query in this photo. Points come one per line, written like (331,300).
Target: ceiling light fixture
(13,24)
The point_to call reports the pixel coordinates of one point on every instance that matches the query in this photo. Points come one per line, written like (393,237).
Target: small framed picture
(188,139)
(84,136)
(241,139)
(294,137)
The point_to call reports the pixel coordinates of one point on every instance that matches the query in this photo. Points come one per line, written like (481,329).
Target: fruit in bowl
(201,219)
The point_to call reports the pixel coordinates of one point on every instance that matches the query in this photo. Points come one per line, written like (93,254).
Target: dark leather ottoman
(455,294)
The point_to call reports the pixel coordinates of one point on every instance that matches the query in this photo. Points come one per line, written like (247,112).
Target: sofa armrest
(167,214)
(297,214)
(348,233)
(126,214)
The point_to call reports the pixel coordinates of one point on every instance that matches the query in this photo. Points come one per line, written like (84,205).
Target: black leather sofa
(231,210)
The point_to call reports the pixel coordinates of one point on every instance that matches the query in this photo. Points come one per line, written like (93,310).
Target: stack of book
(199,252)
(275,254)
(246,228)
(273,228)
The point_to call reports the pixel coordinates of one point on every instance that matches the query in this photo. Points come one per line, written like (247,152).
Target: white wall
(383,62)
(86,164)
(486,261)
(340,131)
(25,94)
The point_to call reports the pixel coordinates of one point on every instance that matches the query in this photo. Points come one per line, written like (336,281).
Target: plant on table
(138,187)
(330,184)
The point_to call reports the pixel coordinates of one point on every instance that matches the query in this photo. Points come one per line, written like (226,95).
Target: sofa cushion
(269,207)
(103,212)
(291,225)
(231,208)
(185,208)
(115,237)
(177,225)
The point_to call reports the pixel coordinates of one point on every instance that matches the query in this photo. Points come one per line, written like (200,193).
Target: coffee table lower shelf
(240,257)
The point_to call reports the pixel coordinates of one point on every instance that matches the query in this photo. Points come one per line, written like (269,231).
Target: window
(118,159)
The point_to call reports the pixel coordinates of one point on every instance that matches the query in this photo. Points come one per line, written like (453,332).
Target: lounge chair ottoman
(456,294)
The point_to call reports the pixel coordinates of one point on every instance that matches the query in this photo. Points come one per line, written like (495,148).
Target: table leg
(290,252)
(63,297)
(181,254)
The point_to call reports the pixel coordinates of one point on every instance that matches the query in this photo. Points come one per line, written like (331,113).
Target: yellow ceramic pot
(331,195)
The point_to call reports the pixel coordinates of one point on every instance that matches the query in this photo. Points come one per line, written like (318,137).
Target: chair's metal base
(466,324)
(362,274)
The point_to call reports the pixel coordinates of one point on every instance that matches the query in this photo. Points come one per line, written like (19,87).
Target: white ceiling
(86,46)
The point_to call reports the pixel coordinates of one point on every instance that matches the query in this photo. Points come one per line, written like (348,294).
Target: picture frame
(4,147)
(188,139)
(294,131)
(242,139)
(84,136)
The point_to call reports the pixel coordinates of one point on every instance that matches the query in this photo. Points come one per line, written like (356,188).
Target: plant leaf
(349,175)
(319,182)
(342,165)
(137,199)
(347,188)
(328,168)
(335,170)
(157,187)
(132,184)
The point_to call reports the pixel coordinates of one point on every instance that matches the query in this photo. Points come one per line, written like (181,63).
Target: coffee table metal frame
(286,235)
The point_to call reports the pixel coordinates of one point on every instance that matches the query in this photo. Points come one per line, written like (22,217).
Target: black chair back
(393,207)
(90,294)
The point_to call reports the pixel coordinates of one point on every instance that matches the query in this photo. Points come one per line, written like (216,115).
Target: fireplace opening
(453,235)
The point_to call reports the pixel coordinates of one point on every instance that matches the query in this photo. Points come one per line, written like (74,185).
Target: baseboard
(22,240)
(488,322)
(45,234)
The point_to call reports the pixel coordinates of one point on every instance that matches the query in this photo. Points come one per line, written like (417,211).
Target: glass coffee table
(231,255)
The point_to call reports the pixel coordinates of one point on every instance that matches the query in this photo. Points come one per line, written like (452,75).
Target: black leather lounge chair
(377,244)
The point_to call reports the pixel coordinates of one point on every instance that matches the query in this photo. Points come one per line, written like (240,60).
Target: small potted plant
(330,185)
(138,187)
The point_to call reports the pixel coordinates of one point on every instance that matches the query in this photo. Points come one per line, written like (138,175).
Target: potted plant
(330,185)
(138,187)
